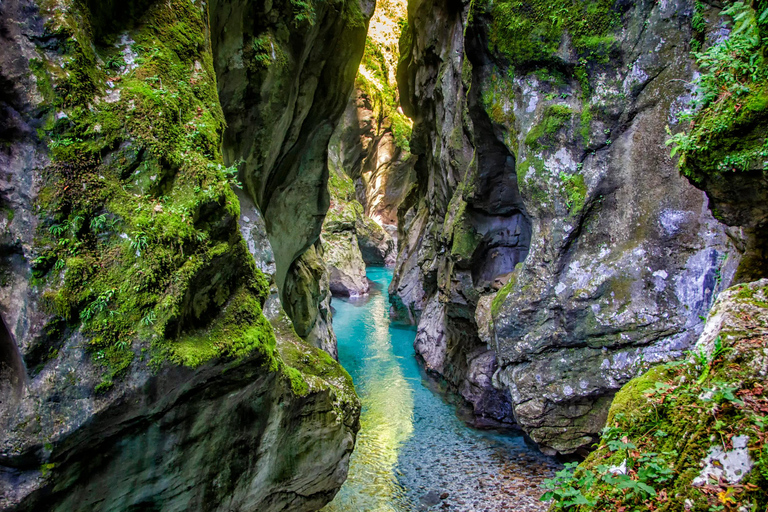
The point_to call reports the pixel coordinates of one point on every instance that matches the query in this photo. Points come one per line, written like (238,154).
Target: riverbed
(415,450)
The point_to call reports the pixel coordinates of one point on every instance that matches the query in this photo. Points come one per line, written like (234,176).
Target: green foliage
(97,306)
(263,52)
(231,173)
(384,95)
(632,480)
(565,487)
(137,214)
(728,132)
(303,12)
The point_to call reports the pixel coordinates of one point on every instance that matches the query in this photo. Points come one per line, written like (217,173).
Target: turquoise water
(414,452)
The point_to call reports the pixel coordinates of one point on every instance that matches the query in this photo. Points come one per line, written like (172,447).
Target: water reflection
(413,451)
(365,348)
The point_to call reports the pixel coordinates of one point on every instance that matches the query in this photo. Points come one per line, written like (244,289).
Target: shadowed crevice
(12,374)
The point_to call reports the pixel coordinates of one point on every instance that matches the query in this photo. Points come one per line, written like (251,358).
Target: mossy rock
(663,425)
(138,237)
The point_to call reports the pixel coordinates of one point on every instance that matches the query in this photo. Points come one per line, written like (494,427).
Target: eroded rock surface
(137,371)
(543,177)
(714,448)
(366,149)
(284,76)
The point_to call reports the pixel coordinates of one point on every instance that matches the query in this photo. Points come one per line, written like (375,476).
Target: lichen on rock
(536,126)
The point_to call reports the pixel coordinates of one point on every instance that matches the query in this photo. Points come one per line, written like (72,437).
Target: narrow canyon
(383,255)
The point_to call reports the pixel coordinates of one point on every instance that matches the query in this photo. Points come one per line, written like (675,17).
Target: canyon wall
(552,250)
(370,162)
(285,72)
(137,367)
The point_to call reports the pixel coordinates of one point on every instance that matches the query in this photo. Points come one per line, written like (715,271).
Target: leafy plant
(139,242)
(730,94)
(97,306)
(566,489)
(149,319)
(59,229)
(231,172)
(99,223)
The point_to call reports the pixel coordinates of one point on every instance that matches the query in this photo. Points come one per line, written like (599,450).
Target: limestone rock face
(284,77)
(723,150)
(350,239)
(137,371)
(725,376)
(345,264)
(547,195)
(307,301)
(365,148)
(226,436)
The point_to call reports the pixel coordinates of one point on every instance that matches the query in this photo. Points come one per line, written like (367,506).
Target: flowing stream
(414,451)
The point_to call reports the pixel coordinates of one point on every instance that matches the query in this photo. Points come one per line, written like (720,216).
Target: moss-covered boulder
(689,435)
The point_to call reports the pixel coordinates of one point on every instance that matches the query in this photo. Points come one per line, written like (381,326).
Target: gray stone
(610,257)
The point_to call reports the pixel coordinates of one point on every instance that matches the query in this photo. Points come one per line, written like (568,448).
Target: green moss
(9,213)
(555,117)
(534,186)
(138,239)
(586,123)
(465,241)
(238,331)
(662,425)
(341,186)
(575,191)
(747,293)
(307,367)
(312,362)
(498,99)
(729,132)
(503,293)
(42,79)
(464,238)
(528,32)
(620,289)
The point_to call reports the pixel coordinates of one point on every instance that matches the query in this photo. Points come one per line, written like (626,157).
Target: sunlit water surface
(413,451)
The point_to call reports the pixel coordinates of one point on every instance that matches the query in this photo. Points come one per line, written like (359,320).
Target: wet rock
(137,371)
(557,194)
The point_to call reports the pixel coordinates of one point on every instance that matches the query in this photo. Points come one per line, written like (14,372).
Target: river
(414,451)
